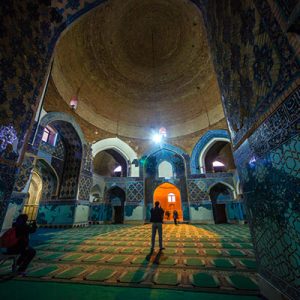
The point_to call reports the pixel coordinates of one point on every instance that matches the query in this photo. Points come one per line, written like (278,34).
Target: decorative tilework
(287,159)
(178,160)
(49,179)
(267,65)
(46,147)
(59,151)
(135,192)
(87,159)
(27,45)
(24,174)
(85,186)
(198,189)
(286,6)
(280,126)
(72,162)
(197,192)
(204,140)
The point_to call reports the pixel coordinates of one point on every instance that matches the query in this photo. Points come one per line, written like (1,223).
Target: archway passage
(219,193)
(169,198)
(34,196)
(116,197)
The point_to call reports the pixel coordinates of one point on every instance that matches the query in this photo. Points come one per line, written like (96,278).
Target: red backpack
(9,238)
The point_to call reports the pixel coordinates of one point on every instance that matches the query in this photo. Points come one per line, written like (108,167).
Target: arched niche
(50,179)
(73,144)
(165,169)
(202,147)
(219,194)
(54,117)
(226,186)
(34,196)
(122,148)
(116,197)
(110,163)
(174,156)
(217,157)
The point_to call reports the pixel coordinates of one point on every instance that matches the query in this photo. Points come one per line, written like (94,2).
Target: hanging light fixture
(74,102)
(163,132)
(74,99)
(160,136)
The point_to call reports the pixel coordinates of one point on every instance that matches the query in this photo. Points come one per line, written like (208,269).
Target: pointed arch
(232,189)
(169,197)
(202,147)
(44,169)
(165,169)
(122,148)
(60,116)
(166,146)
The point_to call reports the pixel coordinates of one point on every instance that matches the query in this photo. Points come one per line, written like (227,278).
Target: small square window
(171,197)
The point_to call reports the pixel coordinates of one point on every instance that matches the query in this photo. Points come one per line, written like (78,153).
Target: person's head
(156,203)
(22,219)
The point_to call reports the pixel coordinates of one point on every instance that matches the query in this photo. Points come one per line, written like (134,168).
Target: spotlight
(157,138)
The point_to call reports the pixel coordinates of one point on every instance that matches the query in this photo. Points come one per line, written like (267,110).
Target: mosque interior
(109,106)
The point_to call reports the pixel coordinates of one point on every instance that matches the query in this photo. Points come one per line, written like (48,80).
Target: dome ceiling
(137,65)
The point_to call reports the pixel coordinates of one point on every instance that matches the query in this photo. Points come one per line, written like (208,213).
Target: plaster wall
(135,213)
(56,214)
(81,214)
(202,214)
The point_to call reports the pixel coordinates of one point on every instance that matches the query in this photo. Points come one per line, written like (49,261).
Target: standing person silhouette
(175,216)
(157,216)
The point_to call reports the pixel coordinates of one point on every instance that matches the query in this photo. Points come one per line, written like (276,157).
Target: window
(165,170)
(49,136)
(171,197)
(217,163)
(118,169)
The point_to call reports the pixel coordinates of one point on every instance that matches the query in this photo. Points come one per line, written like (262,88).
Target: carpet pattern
(216,258)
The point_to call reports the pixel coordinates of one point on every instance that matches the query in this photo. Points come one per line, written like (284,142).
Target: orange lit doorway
(168,196)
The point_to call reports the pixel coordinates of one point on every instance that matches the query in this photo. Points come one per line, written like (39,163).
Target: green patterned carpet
(206,258)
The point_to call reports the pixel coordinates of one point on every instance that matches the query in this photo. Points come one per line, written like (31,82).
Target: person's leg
(159,227)
(26,258)
(153,235)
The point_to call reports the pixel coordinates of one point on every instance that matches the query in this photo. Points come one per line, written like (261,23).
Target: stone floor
(216,258)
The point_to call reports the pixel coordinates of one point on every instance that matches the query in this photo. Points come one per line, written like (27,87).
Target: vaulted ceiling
(138,65)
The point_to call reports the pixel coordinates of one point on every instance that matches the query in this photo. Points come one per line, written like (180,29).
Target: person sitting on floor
(22,247)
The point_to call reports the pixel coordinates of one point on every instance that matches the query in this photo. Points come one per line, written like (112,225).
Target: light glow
(118,169)
(217,163)
(157,138)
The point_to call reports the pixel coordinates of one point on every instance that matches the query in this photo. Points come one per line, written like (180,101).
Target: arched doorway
(169,198)
(116,197)
(219,194)
(34,196)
